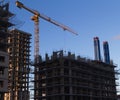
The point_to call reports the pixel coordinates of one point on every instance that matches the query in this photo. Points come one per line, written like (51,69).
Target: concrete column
(1,96)
(70,82)
(63,97)
(62,71)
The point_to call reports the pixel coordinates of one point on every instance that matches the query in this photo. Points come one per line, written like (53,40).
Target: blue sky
(90,18)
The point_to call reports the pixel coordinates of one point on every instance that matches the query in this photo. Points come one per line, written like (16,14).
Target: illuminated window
(43,94)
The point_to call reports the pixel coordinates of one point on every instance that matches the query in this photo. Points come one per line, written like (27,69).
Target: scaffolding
(66,77)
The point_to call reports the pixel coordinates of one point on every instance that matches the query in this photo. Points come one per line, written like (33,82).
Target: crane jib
(35,18)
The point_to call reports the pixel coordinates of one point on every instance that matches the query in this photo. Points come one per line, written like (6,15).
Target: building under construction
(4,57)
(67,77)
(14,59)
(19,52)
(59,77)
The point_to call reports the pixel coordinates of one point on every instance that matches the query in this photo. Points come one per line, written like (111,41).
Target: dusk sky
(89,18)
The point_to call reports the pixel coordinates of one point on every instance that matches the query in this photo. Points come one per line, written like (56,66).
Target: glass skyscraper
(97,49)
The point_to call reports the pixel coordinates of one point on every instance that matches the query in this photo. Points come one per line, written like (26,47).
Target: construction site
(4,56)
(67,77)
(19,57)
(61,76)
(14,58)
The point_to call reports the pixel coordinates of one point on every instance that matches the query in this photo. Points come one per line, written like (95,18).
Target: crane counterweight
(19,4)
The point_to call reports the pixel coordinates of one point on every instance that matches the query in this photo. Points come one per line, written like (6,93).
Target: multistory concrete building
(67,77)
(4,57)
(19,61)
(14,59)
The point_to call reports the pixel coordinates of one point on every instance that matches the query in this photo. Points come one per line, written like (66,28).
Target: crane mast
(35,18)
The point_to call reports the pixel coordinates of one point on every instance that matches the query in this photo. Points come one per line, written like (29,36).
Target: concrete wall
(4,77)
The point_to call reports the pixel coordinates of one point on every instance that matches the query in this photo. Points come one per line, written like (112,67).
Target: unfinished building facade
(4,57)
(19,52)
(66,77)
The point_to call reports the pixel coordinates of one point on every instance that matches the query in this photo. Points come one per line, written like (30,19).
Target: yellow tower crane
(35,18)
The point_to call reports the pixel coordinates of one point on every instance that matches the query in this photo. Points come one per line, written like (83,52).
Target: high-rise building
(19,61)
(66,77)
(97,49)
(4,57)
(106,52)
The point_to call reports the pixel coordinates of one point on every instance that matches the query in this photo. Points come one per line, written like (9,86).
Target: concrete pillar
(70,82)
(63,97)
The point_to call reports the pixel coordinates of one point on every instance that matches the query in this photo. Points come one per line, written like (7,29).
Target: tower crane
(35,18)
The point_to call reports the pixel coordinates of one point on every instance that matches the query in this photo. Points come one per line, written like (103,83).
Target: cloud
(116,37)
